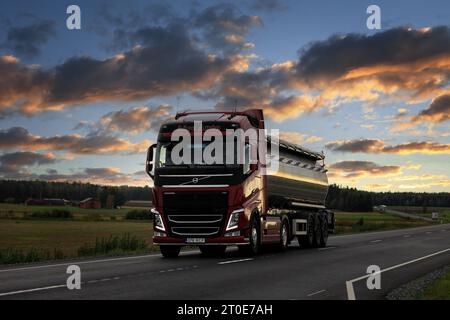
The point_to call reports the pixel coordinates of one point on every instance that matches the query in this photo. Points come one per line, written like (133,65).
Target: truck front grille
(199,214)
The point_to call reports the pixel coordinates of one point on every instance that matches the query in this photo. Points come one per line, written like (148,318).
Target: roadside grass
(356,222)
(438,290)
(40,240)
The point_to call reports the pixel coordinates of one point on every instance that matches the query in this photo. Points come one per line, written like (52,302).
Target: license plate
(195,240)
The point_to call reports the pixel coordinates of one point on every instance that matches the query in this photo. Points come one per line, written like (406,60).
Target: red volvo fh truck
(218,205)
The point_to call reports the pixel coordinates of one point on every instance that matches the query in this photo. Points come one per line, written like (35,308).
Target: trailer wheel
(170,251)
(255,239)
(323,231)
(317,230)
(307,241)
(284,235)
(212,251)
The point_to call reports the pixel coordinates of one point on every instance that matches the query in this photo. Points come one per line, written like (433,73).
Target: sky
(84,105)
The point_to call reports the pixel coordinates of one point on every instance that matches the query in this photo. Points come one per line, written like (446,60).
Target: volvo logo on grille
(195,180)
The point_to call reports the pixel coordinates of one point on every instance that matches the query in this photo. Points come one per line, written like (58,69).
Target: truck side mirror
(149,164)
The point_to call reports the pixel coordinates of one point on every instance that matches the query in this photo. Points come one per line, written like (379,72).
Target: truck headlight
(234,219)
(157,220)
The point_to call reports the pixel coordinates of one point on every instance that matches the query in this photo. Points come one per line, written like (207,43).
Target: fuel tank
(301,178)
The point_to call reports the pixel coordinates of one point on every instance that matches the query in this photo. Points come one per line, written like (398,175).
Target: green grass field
(438,290)
(66,236)
(354,222)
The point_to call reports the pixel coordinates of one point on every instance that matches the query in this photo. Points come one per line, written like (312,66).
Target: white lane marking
(315,293)
(350,290)
(406,236)
(54,287)
(326,248)
(32,290)
(349,284)
(236,261)
(91,261)
(375,241)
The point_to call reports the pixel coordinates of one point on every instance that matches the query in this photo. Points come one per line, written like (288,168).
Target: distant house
(47,202)
(90,203)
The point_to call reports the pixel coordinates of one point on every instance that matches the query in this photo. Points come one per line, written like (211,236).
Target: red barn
(90,203)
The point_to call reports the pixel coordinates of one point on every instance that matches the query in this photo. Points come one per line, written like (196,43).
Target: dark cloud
(23,88)
(361,145)
(378,146)
(26,41)
(133,120)
(16,163)
(223,27)
(357,169)
(18,137)
(426,147)
(437,111)
(331,59)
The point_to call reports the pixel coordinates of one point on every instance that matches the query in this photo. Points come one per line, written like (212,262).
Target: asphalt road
(334,272)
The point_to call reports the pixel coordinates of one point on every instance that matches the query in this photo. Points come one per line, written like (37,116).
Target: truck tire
(284,235)
(255,239)
(170,251)
(307,241)
(323,231)
(317,230)
(212,251)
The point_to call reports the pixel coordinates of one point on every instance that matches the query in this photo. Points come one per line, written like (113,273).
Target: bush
(53,214)
(113,244)
(139,215)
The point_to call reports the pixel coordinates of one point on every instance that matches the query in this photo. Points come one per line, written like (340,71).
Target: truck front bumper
(227,241)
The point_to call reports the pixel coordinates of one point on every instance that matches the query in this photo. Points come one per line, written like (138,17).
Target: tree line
(15,191)
(340,198)
(351,199)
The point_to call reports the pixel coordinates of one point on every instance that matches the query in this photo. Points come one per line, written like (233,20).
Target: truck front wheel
(170,251)
(255,239)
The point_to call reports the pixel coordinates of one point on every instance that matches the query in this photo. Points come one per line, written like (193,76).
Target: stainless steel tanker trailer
(219,205)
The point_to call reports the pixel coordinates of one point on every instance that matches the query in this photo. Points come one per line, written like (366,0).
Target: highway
(335,272)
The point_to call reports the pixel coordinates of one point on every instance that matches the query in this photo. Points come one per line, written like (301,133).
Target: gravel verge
(414,288)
